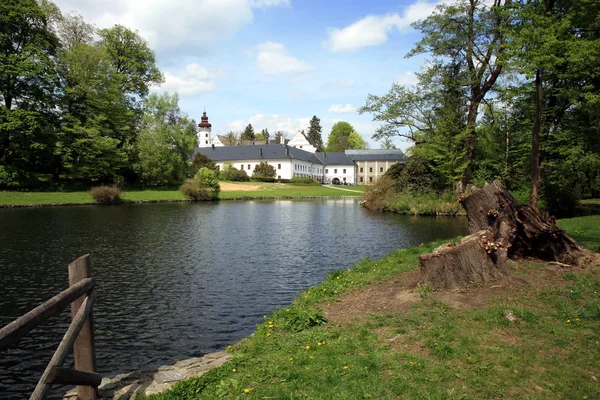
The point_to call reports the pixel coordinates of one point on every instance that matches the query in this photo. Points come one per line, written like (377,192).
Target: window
(242,166)
(300,146)
(344,172)
(278,176)
(335,171)
(380,169)
(248,167)
(206,135)
(370,179)
(362,179)
(326,170)
(279,167)
(361,169)
(371,169)
(206,141)
(344,179)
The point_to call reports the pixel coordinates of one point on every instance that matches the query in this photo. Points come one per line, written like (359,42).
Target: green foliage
(344,137)
(201,161)
(263,169)
(314,133)
(265,134)
(132,59)
(297,319)
(166,141)
(204,186)
(106,194)
(230,173)
(303,180)
(263,179)
(248,133)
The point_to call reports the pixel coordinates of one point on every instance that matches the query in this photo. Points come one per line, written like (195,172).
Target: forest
(511,92)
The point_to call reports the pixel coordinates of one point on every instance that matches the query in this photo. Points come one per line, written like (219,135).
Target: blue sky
(273,63)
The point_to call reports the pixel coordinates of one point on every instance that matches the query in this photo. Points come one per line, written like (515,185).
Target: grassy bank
(233,190)
(586,230)
(368,332)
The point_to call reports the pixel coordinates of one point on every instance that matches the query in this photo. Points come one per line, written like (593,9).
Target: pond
(179,280)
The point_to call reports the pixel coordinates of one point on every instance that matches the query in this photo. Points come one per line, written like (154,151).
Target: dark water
(180,280)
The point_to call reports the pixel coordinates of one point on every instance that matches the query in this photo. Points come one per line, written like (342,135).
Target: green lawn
(591,201)
(432,349)
(586,230)
(264,190)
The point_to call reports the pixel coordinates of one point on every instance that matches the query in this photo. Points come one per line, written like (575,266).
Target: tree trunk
(535,140)
(500,229)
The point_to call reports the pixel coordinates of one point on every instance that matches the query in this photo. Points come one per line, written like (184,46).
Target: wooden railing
(80,335)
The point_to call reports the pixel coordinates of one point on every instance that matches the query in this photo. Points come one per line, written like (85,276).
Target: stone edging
(173,201)
(149,382)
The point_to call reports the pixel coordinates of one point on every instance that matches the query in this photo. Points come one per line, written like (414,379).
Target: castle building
(204,133)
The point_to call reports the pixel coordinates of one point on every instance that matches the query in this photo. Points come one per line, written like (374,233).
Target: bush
(201,161)
(285,180)
(230,173)
(264,170)
(106,194)
(263,178)
(304,180)
(204,186)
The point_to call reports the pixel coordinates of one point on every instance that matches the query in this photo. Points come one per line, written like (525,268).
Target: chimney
(261,152)
(213,146)
(287,150)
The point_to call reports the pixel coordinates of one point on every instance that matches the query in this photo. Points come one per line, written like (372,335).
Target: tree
(388,144)
(28,85)
(280,137)
(264,170)
(230,138)
(248,133)
(344,137)
(95,115)
(166,141)
(474,36)
(72,29)
(133,60)
(314,133)
(265,133)
(202,161)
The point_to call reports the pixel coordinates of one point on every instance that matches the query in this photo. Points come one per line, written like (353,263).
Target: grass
(432,351)
(585,230)
(265,190)
(591,201)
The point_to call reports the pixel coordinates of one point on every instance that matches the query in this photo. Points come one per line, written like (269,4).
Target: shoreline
(93,203)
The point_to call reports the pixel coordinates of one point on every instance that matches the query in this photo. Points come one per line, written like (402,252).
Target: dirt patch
(243,187)
(398,295)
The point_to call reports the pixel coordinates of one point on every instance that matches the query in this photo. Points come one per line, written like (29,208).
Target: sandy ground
(245,187)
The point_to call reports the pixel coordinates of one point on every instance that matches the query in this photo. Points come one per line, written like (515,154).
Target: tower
(204,132)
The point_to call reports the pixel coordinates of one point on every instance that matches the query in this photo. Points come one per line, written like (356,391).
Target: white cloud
(273,59)
(339,84)
(341,108)
(193,79)
(373,30)
(407,78)
(270,3)
(169,25)
(273,122)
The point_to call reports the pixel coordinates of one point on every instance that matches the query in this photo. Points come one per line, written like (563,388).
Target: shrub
(264,170)
(284,180)
(204,186)
(304,180)
(201,161)
(230,173)
(263,178)
(106,194)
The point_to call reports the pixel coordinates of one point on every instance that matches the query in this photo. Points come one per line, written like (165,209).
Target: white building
(301,141)
(205,136)
(339,168)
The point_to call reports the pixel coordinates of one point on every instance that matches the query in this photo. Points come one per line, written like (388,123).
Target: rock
(510,316)
(106,384)
(169,376)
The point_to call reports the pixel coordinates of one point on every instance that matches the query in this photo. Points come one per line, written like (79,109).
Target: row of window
(362,179)
(249,166)
(371,169)
(335,171)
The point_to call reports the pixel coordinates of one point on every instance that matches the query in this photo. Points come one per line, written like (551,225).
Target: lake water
(178,280)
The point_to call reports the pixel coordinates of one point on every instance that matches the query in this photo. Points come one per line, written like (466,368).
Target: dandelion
(229,347)
(307,347)
(310,356)
(577,319)
(346,367)
(264,317)
(291,358)
(337,277)
(348,269)
(246,391)
(568,321)
(268,334)
(234,370)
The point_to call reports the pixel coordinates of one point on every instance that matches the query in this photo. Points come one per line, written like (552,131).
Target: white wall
(283,167)
(337,171)
(204,137)
(300,142)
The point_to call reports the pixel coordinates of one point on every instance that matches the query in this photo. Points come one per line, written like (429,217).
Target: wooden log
(79,321)
(68,376)
(84,348)
(456,265)
(17,329)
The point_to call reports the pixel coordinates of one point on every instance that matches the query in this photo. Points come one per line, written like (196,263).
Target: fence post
(84,348)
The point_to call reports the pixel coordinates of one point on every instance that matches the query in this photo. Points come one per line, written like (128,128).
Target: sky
(273,63)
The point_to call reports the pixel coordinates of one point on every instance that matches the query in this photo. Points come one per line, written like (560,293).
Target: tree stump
(500,229)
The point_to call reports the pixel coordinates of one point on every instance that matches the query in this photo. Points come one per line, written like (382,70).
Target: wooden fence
(80,294)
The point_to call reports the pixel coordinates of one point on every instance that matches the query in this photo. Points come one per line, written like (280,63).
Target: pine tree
(248,133)
(314,132)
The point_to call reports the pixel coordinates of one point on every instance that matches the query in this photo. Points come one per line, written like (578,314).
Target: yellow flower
(568,321)
(577,319)
(270,322)
(268,334)
(307,347)
(234,370)
(291,359)
(346,367)
(348,269)
(309,356)
(264,317)
(337,277)
(229,347)
(246,391)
